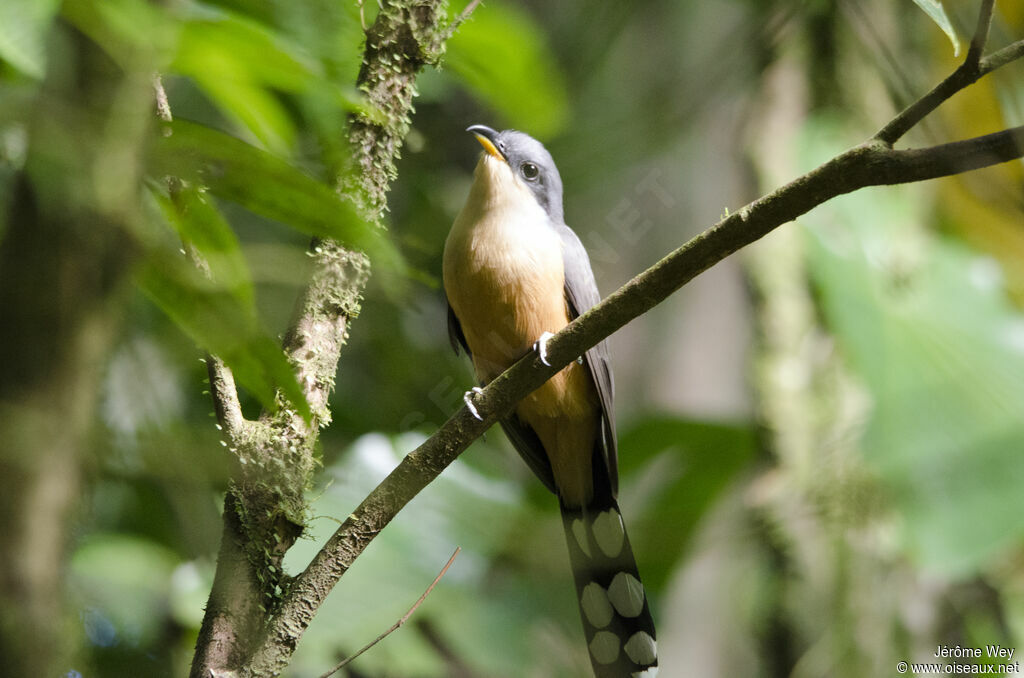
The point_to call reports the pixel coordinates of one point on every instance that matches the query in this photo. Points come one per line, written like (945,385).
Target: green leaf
(237,62)
(23,28)
(221,325)
(200,224)
(132,32)
(241,64)
(935,10)
(500,54)
(262,183)
(926,325)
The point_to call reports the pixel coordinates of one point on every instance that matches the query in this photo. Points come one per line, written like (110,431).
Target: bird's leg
(467,398)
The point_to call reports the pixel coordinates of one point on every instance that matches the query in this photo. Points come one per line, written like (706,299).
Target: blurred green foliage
(927,325)
(910,284)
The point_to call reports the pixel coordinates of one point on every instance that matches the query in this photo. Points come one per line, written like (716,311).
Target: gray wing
(581,294)
(529,447)
(455,334)
(522,437)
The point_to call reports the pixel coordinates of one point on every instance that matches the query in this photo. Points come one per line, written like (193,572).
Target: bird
(514,274)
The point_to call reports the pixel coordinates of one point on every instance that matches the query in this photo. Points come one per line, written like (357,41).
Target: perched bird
(514,273)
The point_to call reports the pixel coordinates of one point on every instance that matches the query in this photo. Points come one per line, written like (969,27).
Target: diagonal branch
(873,163)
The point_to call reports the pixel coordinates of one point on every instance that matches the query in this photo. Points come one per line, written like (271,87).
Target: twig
(163,108)
(1011,52)
(222,382)
(981,32)
(225,399)
(348,660)
(459,20)
(967,73)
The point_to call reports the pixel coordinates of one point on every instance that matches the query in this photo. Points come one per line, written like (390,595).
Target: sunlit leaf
(501,56)
(935,10)
(23,28)
(221,325)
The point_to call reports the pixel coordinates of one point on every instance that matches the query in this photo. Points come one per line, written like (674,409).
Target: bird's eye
(530,171)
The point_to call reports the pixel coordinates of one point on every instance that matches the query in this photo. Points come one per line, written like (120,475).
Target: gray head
(529,161)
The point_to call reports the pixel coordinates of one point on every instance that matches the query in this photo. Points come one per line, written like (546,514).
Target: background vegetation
(821,437)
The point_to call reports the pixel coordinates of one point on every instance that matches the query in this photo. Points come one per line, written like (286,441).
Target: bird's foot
(467,398)
(541,347)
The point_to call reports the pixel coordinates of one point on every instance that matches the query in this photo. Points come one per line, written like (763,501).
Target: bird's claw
(541,347)
(467,398)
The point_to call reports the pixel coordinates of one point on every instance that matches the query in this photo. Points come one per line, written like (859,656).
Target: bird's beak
(488,138)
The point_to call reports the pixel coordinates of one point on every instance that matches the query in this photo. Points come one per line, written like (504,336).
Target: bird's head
(514,161)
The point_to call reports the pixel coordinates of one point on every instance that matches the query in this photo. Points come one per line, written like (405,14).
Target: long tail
(613,605)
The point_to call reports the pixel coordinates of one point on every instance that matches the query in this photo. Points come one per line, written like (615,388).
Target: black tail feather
(613,603)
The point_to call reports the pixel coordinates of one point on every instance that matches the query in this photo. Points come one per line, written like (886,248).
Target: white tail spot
(641,648)
(609,532)
(627,594)
(579,530)
(604,647)
(596,607)
(652,672)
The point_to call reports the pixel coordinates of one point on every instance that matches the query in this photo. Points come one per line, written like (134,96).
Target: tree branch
(980,38)
(998,59)
(870,164)
(968,72)
(225,399)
